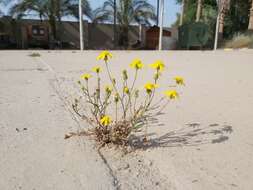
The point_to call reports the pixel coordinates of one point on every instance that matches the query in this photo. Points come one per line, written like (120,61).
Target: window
(35,31)
(38,30)
(42,31)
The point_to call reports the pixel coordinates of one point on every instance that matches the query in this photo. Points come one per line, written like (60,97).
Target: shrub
(131,112)
(240,41)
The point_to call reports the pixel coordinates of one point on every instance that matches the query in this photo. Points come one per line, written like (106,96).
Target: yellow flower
(126,90)
(158,65)
(86,76)
(150,86)
(108,89)
(105,120)
(171,94)
(137,64)
(179,80)
(104,55)
(96,69)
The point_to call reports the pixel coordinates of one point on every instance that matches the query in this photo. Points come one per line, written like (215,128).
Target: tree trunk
(114,24)
(157,12)
(52,23)
(58,16)
(225,5)
(221,26)
(199,8)
(251,18)
(182,13)
(123,39)
(52,19)
(126,39)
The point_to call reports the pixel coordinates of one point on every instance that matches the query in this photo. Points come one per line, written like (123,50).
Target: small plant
(117,110)
(34,55)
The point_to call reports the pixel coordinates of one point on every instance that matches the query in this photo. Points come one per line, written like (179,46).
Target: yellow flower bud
(179,80)
(116,97)
(114,81)
(125,76)
(105,120)
(108,89)
(126,90)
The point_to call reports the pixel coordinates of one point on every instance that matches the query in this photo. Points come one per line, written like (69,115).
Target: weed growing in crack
(117,110)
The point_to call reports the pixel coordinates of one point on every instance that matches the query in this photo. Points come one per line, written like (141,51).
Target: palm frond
(128,12)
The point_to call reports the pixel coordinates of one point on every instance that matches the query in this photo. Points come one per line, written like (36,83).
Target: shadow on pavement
(194,134)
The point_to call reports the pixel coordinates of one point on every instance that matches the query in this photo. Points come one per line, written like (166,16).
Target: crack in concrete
(68,109)
(22,70)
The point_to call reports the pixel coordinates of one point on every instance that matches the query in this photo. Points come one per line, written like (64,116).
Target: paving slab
(205,140)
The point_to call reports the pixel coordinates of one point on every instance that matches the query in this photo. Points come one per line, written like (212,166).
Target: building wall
(101,36)
(96,36)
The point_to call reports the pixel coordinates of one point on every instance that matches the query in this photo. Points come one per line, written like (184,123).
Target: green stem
(116,112)
(153,92)
(113,84)
(135,78)
(131,93)
(95,106)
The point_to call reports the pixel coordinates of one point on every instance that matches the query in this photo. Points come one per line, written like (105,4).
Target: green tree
(207,14)
(128,12)
(207,10)
(51,10)
(237,18)
(234,20)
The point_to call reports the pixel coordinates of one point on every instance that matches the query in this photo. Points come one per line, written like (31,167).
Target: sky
(170,8)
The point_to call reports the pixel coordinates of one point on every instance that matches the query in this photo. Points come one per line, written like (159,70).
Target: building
(30,33)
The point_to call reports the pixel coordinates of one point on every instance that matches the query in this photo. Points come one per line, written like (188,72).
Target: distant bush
(240,41)
(34,55)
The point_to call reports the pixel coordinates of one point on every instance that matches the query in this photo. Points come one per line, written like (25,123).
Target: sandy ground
(204,141)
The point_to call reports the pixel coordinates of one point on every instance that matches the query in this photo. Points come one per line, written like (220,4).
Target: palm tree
(128,12)
(189,10)
(223,9)
(51,10)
